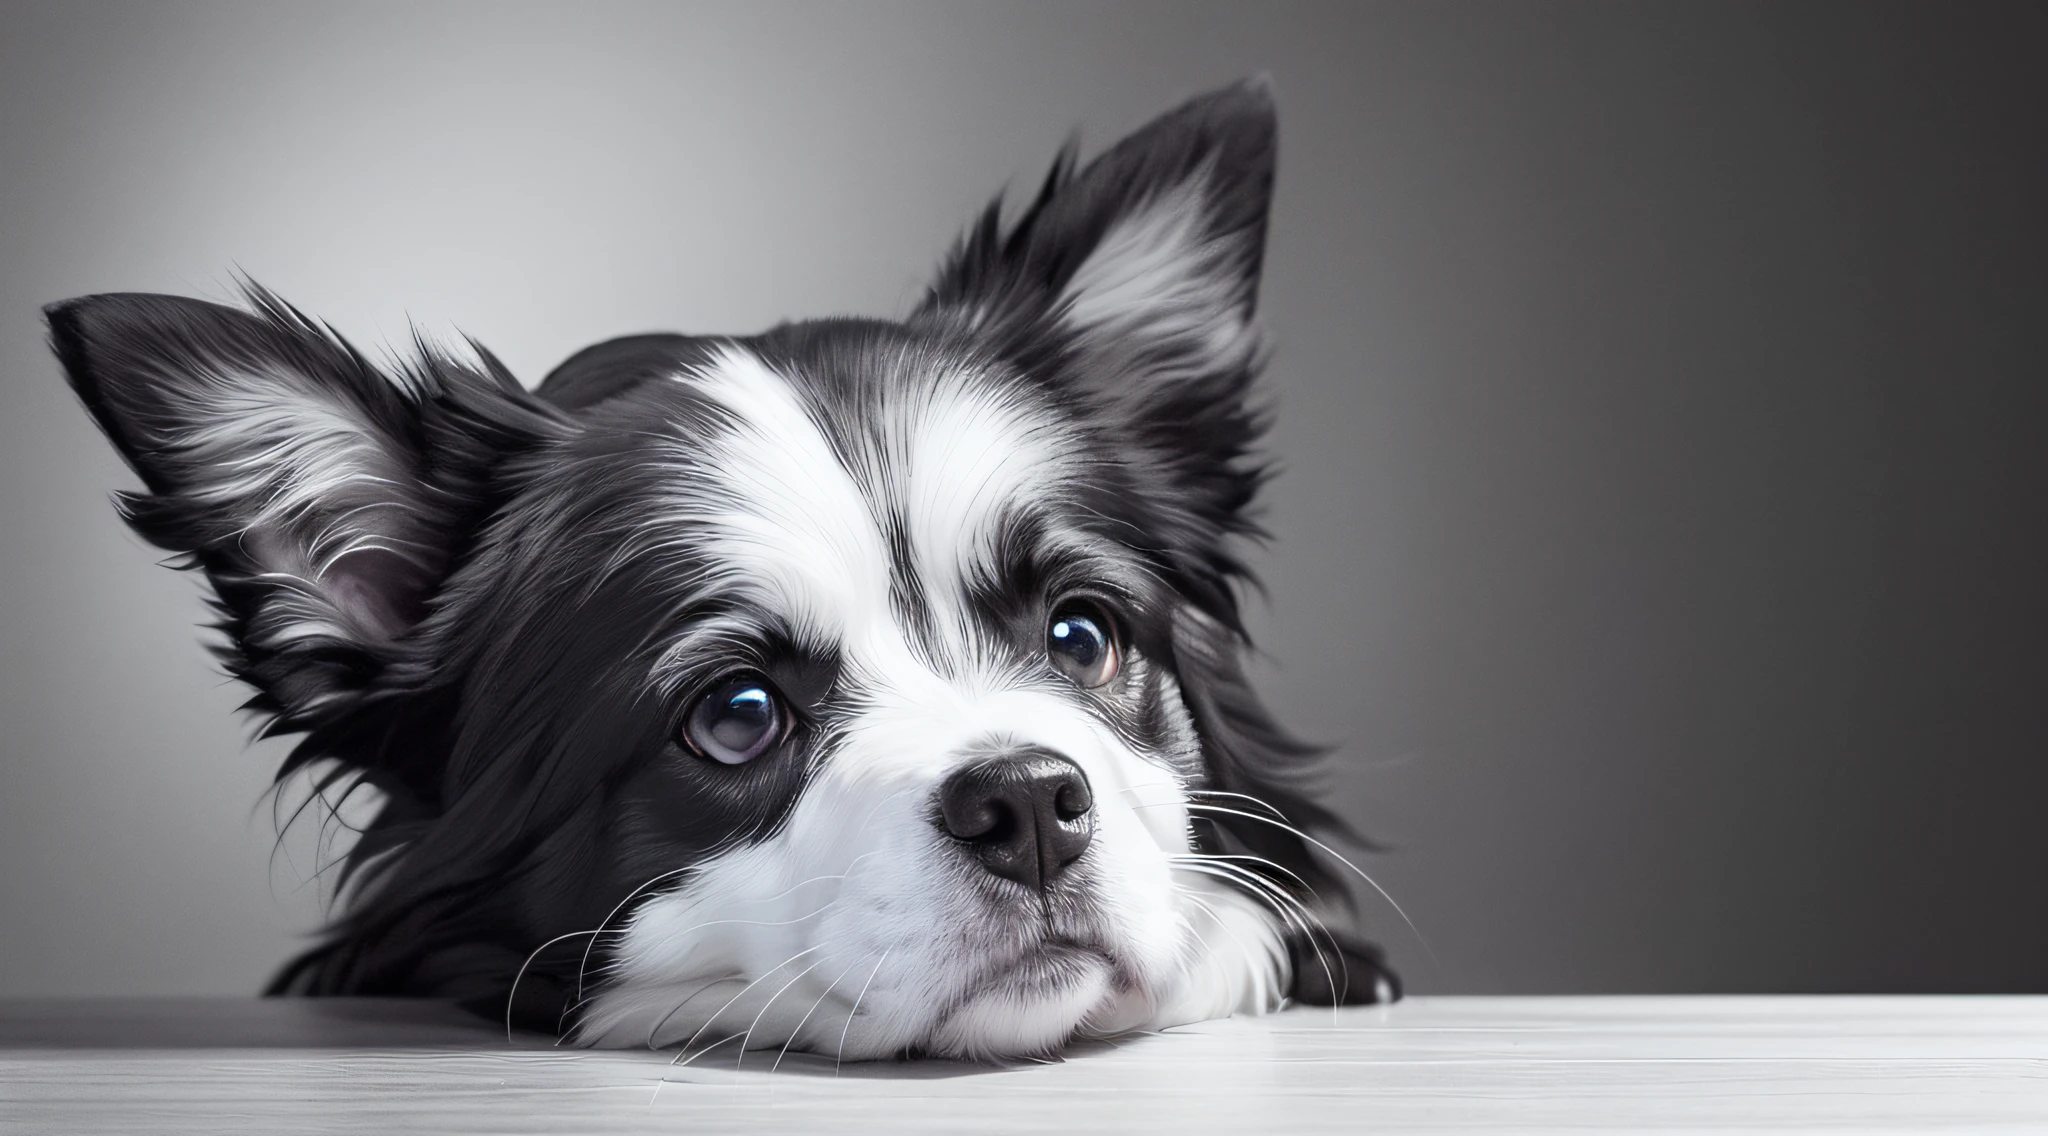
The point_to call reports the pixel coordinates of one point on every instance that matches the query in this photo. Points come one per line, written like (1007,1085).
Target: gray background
(1660,388)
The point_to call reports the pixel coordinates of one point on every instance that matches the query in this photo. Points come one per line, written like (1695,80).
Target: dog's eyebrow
(1037,559)
(733,637)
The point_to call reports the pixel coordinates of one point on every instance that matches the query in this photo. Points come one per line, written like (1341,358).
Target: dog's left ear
(1134,284)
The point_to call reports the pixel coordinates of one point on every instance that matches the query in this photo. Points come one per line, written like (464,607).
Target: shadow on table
(725,1060)
(247,1023)
(393,1024)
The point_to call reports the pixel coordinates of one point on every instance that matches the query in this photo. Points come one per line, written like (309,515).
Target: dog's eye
(1081,640)
(736,721)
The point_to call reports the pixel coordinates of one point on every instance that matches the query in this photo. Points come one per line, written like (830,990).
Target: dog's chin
(1026,1006)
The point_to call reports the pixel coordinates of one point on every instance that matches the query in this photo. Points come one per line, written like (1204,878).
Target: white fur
(966,454)
(790,530)
(858,928)
(304,481)
(1157,275)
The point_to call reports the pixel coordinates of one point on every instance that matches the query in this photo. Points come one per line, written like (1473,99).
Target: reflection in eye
(1080,641)
(735,721)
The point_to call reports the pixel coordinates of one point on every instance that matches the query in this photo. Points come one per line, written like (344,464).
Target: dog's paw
(1336,970)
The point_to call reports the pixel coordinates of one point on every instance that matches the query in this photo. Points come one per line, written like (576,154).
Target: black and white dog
(859,687)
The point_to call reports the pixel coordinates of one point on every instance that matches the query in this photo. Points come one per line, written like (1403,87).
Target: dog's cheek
(864,879)
(1141,903)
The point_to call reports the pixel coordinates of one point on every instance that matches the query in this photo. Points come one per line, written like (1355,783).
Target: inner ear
(383,593)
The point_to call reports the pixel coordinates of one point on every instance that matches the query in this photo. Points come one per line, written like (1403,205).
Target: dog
(865,688)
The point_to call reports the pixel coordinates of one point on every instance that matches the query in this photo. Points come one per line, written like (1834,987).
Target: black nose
(1026,815)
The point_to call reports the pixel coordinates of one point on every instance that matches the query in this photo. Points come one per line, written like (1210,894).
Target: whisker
(1230,860)
(513,993)
(678,1007)
(1307,922)
(1341,990)
(1185,791)
(1259,801)
(1298,916)
(801,1022)
(765,1007)
(1252,880)
(757,922)
(1232,857)
(1216,917)
(840,1057)
(878,808)
(719,922)
(743,993)
(1208,948)
(1340,858)
(580,998)
(682,1061)
(611,915)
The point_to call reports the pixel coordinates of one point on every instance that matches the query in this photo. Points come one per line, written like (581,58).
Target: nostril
(1072,800)
(971,816)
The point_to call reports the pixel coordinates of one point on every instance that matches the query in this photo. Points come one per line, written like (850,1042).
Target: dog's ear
(323,497)
(1148,259)
(1133,285)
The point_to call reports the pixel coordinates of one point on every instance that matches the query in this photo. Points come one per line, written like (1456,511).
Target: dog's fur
(498,612)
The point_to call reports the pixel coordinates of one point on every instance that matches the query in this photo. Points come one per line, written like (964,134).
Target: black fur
(486,665)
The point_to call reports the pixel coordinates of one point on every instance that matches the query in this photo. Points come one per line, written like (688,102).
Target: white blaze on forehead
(966,453)
(949,453)
(788,523)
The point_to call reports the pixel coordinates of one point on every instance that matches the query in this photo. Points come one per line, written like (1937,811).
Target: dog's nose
(1025,815)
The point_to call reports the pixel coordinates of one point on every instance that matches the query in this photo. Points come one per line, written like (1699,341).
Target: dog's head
(867,686)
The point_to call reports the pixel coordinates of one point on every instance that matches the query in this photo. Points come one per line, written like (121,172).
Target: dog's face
(921,738)
(863,687)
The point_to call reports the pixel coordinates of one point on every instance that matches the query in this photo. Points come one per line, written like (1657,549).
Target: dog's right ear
(324,498)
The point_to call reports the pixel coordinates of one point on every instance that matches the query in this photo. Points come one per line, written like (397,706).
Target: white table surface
(1745,1064)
